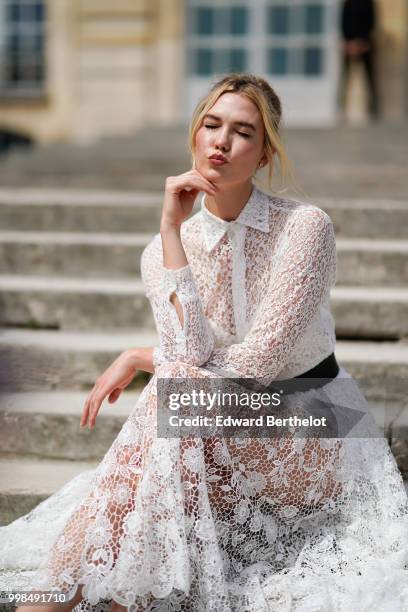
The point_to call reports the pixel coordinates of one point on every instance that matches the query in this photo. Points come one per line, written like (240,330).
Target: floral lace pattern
(230,524)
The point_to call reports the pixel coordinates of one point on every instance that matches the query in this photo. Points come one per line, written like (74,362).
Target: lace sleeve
(303,271)
(191,342)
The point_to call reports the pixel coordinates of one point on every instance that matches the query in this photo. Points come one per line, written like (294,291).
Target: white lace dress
(230,525)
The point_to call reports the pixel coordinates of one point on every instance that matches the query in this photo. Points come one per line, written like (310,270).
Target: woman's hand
(179,196)
(110,384)
(356,47)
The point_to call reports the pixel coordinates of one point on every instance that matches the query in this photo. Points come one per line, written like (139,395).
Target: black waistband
(318,376)
(328,368)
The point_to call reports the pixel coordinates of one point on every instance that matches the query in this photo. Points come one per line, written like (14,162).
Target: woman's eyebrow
(243,123)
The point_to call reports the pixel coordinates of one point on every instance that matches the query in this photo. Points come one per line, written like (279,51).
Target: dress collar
(254,214)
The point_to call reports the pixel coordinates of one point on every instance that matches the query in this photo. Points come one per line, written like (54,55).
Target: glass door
(292,43)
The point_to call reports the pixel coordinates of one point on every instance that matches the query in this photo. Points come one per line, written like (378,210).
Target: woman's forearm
(174,257)
(141,358)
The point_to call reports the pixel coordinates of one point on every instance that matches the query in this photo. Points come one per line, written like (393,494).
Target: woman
(241,291)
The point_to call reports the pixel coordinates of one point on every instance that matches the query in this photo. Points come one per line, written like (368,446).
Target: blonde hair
(268,103)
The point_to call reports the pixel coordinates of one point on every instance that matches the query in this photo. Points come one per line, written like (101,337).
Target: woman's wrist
(169,228)
(140,358)
(174,256)
(132,357)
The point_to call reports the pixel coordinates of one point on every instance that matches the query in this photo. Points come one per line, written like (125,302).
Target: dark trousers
(368,59)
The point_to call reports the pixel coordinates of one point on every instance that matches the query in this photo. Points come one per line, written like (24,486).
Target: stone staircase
(72,299)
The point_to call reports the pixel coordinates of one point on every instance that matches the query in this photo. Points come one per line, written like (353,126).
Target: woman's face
(233,127)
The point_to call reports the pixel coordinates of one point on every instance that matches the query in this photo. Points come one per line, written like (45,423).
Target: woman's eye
(214,127)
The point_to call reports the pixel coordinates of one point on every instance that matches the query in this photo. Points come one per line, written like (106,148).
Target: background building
(76,70)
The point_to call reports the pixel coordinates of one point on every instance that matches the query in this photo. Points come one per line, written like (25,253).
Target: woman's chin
(211,173)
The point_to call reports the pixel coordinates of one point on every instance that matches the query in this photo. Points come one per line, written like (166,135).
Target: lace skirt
(230,525)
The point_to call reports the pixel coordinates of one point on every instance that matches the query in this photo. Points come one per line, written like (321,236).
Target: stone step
(58,359)
(370,262)
(47,424)
(74,303)
(106,303)
(137,211)
(368,218)
(72,253)
(34,360)
(346,160)
(380,367)
(80,211)
(370,312)
(27,481)
(84,254)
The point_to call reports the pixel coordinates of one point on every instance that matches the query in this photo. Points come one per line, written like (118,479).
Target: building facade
(78,70)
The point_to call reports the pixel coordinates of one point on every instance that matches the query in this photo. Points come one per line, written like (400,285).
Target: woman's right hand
(180,194)
(110,384)
(356,47)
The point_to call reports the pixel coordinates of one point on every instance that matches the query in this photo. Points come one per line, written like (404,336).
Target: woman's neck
(228,203)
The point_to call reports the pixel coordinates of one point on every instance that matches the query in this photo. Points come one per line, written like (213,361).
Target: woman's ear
(262,161)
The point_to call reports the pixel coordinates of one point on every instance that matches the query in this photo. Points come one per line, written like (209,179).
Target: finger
(209,183)
(194,174)
(203,185)
(85,413)
(188,200)
(114,395)
(83,420)
(98,397)
(95,405)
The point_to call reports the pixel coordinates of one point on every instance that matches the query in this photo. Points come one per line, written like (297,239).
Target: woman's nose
(222,140)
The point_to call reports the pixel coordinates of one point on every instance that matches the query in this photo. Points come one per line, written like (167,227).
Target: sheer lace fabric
(255,288)
(234,524)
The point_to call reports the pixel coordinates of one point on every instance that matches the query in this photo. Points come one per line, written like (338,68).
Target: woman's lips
(217,162)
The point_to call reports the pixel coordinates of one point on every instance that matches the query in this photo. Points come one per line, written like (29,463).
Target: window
(314,19)
(217,37)
(301,18)
(286,38)
(278,19)
(278,60)
(313,61)
(239,21)
(22,48)
(206,62)
(295,38)
(204,21)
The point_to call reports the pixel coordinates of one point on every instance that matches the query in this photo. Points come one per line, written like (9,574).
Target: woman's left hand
(110,384)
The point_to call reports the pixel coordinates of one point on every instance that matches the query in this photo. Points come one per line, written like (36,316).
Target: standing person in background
(358,23)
